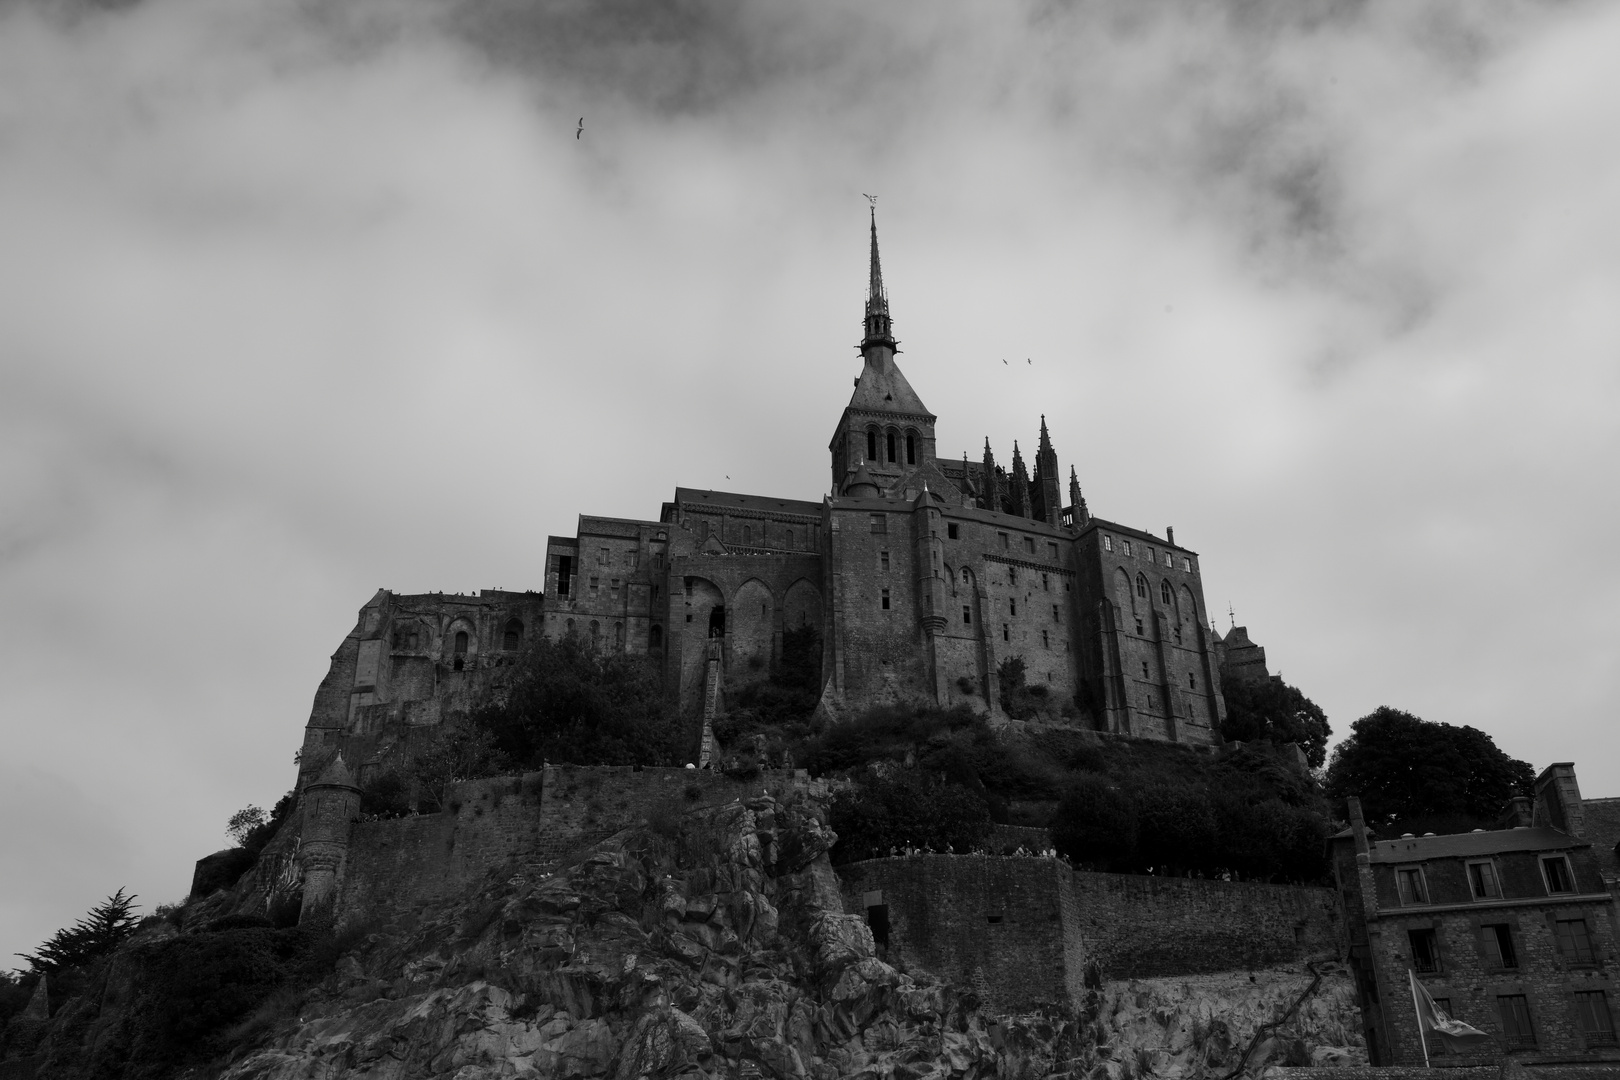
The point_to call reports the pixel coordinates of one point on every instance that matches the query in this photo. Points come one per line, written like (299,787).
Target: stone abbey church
(920,574)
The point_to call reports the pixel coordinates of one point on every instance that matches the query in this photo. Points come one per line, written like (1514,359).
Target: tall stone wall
(532,822)
(1137,926)
(993,924)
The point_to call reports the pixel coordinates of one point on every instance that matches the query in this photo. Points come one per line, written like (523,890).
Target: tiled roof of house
(1462,845)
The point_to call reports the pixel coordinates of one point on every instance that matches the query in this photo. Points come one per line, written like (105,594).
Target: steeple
(1020,486)
(1047,493)
(1077,501)
(878,330)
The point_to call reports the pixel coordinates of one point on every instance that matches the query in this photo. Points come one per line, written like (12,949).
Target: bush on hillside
(901,808)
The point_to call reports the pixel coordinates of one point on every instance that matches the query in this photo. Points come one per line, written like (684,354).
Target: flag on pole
(1454,1034)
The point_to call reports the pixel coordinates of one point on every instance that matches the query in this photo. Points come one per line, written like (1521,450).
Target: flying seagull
(581,130)
(1028,361)
(1004,361)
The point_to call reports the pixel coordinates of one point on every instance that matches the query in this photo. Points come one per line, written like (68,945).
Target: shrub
(386,796)
(905,807)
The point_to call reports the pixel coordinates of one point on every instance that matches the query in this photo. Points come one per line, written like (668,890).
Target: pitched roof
(697,498)
(1463,845)
(336,774)
(879,390)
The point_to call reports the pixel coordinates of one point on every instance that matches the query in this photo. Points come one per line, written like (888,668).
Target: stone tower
(331,803)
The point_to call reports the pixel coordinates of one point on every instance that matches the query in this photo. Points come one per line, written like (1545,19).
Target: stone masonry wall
(1138,926)
(989,923)
(536,820)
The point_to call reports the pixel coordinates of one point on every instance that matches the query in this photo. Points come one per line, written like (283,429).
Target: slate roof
(886,391)
(1463,845)
(762,504)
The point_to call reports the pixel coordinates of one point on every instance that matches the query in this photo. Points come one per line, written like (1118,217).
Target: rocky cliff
(713,943)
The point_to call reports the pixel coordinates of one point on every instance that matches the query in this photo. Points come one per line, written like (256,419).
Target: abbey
(921,575)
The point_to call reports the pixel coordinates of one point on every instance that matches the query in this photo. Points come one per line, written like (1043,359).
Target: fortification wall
(1136,926)
(993,924)
(531,823)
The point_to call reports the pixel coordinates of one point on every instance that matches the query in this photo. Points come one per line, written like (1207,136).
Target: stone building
(921,576)
(1510,930)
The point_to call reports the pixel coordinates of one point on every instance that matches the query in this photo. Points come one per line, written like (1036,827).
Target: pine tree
(101,931)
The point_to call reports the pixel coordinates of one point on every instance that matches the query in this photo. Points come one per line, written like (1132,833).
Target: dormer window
(1483,882)
(1555,871)
(1409,881)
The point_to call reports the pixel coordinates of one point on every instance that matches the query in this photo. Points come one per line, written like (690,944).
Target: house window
(1141,586)
(1192,681)
(1186,564)
(618,637)
(951,532)
(614,588)
(1499,945)
(596,587)
(1164,592)
(1012,607)
(1425,950)
(967,615)
(883,561)
(1046,582)
(1515,1013)
(1055,614)
(1051,551)
(1555,869)
(1012,575)
(748,534)
(1029,545)
(1006,632)
(1409,879)
(1144,669)
(633,558)
(1108,543)
(1168,560)
(601,556)
(885,599)
(1138,627)
(565,570)
(1574,941)
(1482,879)
(880,524)
(1127,547)
(1004,541)
(1044,641)
(1597,1023)
(1178,635)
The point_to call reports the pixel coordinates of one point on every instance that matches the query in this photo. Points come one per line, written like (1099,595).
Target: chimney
(1358,825)
(1558,799)
(1170,533)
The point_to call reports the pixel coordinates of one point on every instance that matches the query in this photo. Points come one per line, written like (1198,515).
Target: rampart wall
(1138,926)
(531,822)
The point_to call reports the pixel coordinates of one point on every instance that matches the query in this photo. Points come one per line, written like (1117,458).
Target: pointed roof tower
(1018,501)
(1077,501)
(878,329)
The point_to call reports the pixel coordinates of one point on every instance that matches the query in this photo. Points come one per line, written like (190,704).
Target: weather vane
(871,199)
(1230,617)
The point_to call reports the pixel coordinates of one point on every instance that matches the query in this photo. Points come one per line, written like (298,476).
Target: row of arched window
(409,637)
(892,443)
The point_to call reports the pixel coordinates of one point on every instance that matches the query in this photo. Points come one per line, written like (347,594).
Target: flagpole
(1417,1010)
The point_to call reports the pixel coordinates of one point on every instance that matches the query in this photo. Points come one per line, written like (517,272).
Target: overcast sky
(300,299)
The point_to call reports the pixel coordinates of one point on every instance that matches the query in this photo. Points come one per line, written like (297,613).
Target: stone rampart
(532,822)
(995,925)
(1136,926)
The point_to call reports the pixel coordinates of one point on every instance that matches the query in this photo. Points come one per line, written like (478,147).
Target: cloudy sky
(300,299)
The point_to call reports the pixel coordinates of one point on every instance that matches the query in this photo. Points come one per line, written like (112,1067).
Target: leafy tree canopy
(568,702)
(101,931)
(1269,710)
(1413,774)
(905,807)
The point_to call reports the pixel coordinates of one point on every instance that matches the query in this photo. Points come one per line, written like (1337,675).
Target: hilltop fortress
(919,576)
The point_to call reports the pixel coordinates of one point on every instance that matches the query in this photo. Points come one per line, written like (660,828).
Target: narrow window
(1055,614)
(871,446)
(1108,543)
(967,615)
(1168,561)
(655,593)
(1141,586)
(596,632)
(1597,1023)
(1574,942)
(568,627)
(883,561)
(1178,635)
(1186,564)
(1425,950)
(1515,1013)
(1138,627)
(655,637)
(965,577)
(1410,881)
(790,538)
(911,449)
(1012,575)
(618,637)
(596,587)
(1006,632)
(565,570)
(614,588)
(633,557)
(880,524)
(1051,551)
(1499,943)
(1046,582)
(1029,545)
(951,532)
(1164,592)
(1013,606)
(885,599)
(1144,669)
(1556,870)
(1482,879)
(461,643)
(1004,541)
(877,917)
(1127,547)
(748,534)
(1192,681)
(1044,640)
(398,637)
(889,443)
(602,556)
(512,638)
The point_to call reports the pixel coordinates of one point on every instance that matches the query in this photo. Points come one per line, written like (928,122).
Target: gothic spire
(878,331)
(1077,501)
(1046,440)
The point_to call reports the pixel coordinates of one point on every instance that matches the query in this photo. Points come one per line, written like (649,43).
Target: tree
(1096,824)
(456,752)
(1270,710)
(1415,774)
(569,702)
(243,822)
(101,931)
(905,807)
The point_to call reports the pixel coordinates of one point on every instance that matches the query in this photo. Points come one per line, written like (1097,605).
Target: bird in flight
(1004,361)
(1028,361)
(581,129)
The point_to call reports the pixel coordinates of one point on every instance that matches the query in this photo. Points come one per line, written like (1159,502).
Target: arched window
(911,449)
(461,643)
(871,446)
(965,577)
(618,637)
(1141,586)
(1164,592)
(655,637)
(748,534)
(513,637)
(889,440)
